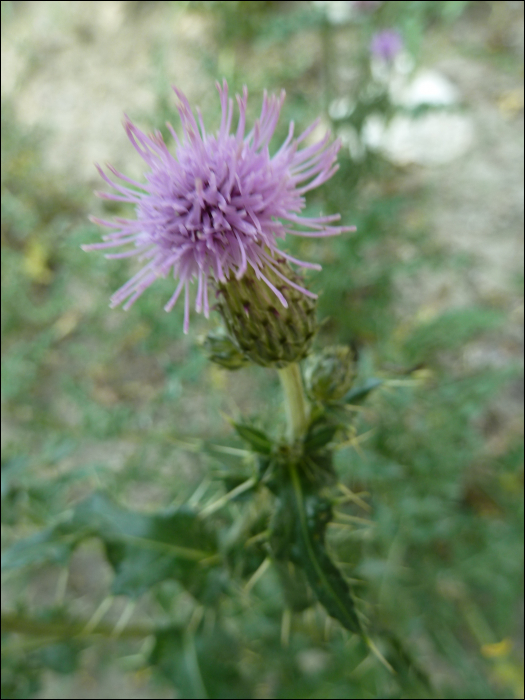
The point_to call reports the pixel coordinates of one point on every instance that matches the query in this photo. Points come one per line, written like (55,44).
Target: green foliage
(450,332)
(320,432)
(20,679)
(359,393)
(61,657)
(391,534)
(40,548)
(257,440)
(143,550)
(196,663)
(238,18)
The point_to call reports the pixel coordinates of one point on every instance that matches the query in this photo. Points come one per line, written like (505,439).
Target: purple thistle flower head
(386,44)
(216,207)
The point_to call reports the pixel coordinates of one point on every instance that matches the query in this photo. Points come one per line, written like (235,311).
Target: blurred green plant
(421,516)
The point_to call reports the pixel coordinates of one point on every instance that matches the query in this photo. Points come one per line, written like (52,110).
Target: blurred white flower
(430,139)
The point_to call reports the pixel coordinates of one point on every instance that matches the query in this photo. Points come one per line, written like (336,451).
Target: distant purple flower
(369,6)
(218,205)
(386,44)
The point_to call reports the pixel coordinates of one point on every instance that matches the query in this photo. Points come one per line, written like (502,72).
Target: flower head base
(270,331)
(213,211)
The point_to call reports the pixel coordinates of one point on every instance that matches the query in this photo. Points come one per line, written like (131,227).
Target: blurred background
(427,98)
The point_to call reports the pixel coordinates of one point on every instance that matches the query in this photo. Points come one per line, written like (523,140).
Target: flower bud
(330,374)
(265,330)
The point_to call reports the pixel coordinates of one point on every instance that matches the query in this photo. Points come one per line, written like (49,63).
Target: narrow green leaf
(359,393)
(319,436)
(255,438)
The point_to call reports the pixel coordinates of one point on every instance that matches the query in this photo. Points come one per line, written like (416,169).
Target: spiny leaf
(146,549)
(298,534)
(324,577)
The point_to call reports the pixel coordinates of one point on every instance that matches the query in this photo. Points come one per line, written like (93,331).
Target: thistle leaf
(146,549)
(298,535)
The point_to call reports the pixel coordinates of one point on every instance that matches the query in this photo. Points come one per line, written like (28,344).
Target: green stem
(326,48)
(295,400)
(11,622)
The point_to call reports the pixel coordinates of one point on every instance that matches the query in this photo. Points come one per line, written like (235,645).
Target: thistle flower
(386,45)
(214,209)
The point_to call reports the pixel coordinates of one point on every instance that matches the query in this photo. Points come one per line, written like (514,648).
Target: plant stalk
(66,629)
(295,401)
